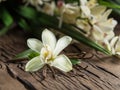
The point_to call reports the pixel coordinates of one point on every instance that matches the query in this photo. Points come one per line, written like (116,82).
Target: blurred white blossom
(102,25)
(113,46)
(84,8)
(49,8)
(2,0)
(98,27)
(68,13)
(92,3)
(35,3)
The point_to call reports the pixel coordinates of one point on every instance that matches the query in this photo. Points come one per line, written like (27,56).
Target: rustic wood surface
(99,72)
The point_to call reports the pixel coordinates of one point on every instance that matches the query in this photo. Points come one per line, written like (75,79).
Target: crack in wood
(14,75)
(26,84)
(88,88)
(108,72)
(40,81)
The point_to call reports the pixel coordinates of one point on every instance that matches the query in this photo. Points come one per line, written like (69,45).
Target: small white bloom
(86,6)
(49,8)
(98,27)
(69,13)
(101,25)
(84,25)
(49,50)
(115,46)
(35,3)
(85,9)
(92,3)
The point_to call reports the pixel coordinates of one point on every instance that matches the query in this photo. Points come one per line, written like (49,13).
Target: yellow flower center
(46,54)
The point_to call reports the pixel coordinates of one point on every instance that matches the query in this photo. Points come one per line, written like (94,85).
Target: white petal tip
(69,69)
(70,39)
(46,31)
(27,70)
(62,44)
(34,44)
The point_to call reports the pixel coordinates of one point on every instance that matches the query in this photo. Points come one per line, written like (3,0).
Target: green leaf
(23,24)
(6,17)
(27,54)
(75,61)
(33,54)
(109,3)
(28,12)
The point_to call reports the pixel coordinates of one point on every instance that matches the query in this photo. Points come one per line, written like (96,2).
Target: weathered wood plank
(94,73)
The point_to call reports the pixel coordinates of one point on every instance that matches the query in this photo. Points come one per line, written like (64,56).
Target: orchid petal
(61,44)
(97,34)
(49,38)
(118,54)
(34,64)
(83,2)
(112,43)
(108,25)
(34,44)
(83,25)
(92,3)
(107,45)
(63,63)
(110,35)
(106,14)
(86,10)
(117,46)
(98,10)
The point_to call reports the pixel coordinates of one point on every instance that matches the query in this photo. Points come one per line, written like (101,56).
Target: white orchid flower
(49,50)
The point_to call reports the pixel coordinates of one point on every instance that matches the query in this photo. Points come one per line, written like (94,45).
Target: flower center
(46,54)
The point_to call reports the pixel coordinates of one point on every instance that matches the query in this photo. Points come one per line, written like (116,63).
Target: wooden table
(94,73)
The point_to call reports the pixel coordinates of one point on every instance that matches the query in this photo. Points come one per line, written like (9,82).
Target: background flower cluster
(85,20)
